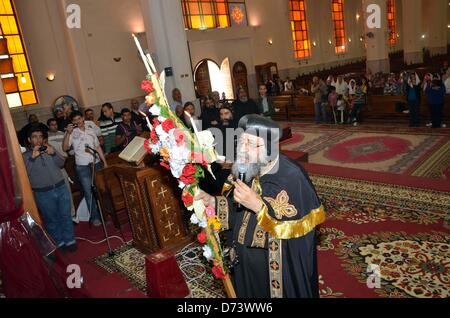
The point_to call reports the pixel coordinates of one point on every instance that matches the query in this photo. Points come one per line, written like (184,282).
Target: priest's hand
(208,200)
(245,196)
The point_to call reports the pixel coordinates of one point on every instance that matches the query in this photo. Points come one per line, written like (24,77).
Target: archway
(209,77)
(240,76)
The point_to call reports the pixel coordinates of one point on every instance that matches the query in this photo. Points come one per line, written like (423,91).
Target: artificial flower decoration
(147,86)
(194,219)
(218,272)
(210,212)
(187,198)
(201,238)
(207,252)
(186,155)
(214,223)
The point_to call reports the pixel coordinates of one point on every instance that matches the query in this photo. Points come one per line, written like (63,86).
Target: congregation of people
(89,139)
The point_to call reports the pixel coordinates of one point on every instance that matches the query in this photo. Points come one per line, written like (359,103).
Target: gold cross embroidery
(281,206)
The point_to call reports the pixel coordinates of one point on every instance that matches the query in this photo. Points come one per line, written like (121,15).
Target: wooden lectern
(156,216)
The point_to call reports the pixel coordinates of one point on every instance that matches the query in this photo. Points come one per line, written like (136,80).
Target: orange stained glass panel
(28,98)
(14,44)
(299,28)
(201,14)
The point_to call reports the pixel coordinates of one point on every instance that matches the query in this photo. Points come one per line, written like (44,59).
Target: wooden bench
(378,108)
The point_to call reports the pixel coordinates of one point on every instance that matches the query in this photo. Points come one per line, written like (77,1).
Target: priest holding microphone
(271,215)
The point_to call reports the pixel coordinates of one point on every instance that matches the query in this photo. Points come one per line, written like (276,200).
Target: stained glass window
(17,80)
(391,15)
(299,28)
(337,12)
(208,14)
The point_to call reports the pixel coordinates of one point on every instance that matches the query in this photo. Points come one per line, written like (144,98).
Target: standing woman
(412,91)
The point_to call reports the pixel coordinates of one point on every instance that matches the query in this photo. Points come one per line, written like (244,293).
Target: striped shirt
(108,127)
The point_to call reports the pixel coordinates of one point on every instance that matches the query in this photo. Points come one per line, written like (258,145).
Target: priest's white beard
(252,170)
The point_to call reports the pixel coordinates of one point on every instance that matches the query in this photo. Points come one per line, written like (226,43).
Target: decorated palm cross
(186,156)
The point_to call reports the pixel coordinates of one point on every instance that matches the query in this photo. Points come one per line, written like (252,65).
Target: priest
(271,217)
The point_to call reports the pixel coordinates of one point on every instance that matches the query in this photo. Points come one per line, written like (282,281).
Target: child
(341,108)
(358,103)
(332,101)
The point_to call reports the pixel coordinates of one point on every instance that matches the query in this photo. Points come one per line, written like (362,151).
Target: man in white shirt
(82,140)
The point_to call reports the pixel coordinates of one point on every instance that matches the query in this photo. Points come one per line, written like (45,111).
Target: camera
(43,149)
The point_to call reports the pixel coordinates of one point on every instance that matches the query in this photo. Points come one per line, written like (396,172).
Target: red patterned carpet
(406,151)
(394,228)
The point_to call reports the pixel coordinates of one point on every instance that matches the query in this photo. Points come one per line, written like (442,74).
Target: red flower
(155,122)
(165,165)
(187,198)
(201,238)
(154,136)
(147,146)
(189,170)
(147,86)
(179,137)
(199,158)
(187,179)
(218,272)
(168,125)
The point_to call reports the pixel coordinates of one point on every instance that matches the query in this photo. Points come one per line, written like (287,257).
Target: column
(376,39)
(167,40)
(412,31)
(435,26)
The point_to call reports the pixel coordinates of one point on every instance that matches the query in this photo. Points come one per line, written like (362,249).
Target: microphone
(242,170)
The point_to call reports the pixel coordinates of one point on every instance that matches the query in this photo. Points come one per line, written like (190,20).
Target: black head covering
(262,127)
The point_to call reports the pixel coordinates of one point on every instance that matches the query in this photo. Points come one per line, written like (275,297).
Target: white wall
(269,19)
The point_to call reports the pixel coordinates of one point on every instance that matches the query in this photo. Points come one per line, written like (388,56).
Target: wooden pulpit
(155,213)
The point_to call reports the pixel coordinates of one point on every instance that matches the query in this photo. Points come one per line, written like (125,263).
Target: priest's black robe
(276,247)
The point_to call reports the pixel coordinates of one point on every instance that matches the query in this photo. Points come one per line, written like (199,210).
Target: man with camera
(86,147)
(52,196)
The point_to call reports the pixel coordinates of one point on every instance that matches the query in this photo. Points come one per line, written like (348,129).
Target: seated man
(273,235)
(126,130)
(43,164)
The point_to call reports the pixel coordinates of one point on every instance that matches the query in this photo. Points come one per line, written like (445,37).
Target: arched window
(299,27)
(14,64)
(392,26)
(337,11)
(209,14)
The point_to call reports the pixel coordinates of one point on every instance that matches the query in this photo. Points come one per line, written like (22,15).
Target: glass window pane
(208,21)
(14,100)
(19,63)
(14,44)
(24,82)
(196,22)
(223,21)
(9,25)
(194,8)
(28,98)
(6,7)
